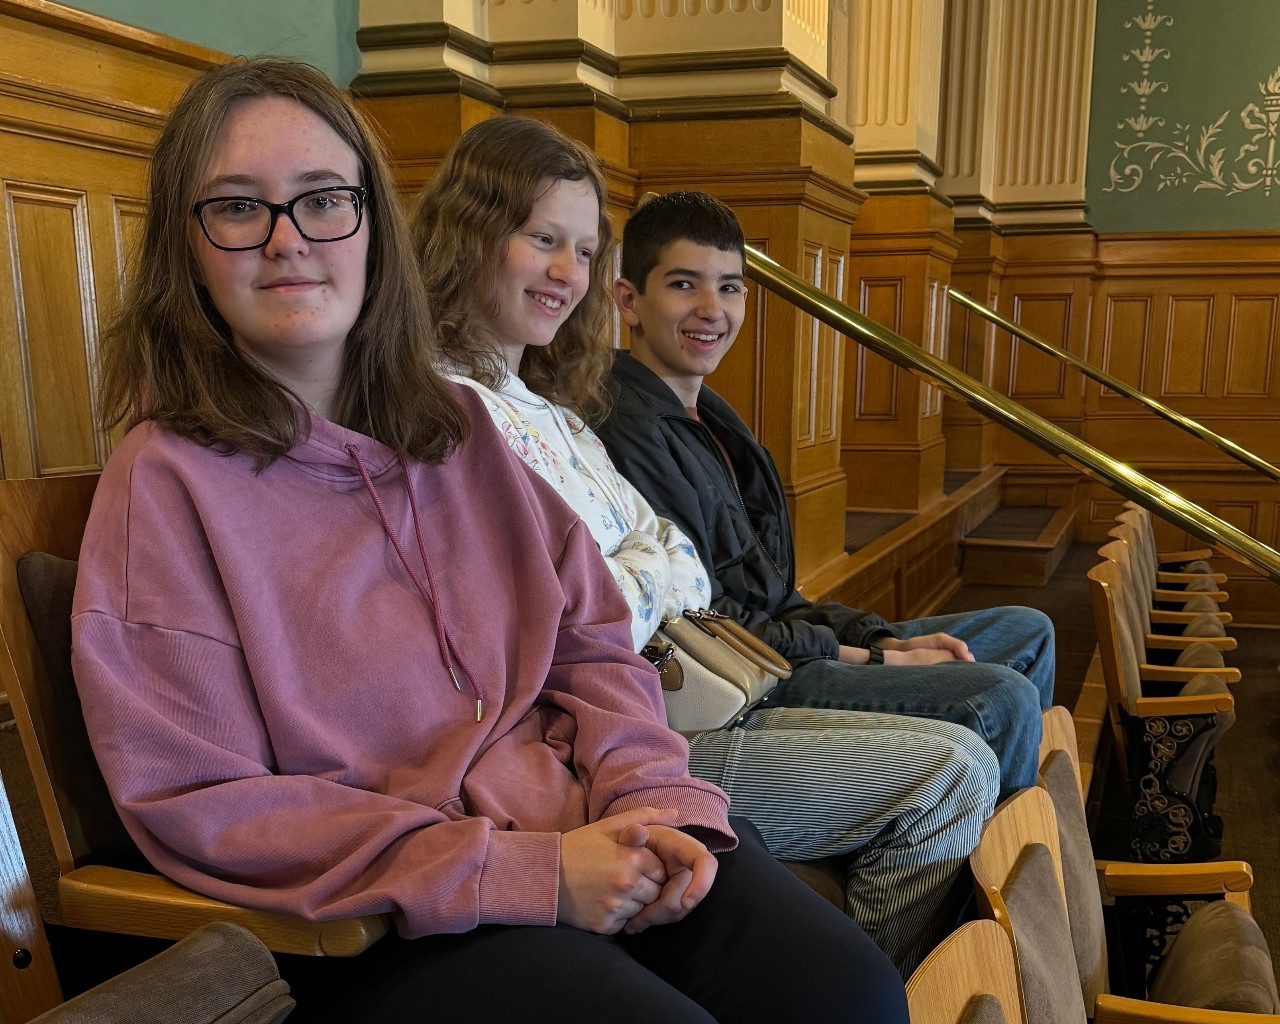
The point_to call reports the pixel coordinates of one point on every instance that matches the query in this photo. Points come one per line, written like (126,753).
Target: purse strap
(741,640)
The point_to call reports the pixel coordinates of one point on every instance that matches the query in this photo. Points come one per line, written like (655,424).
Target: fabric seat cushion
(1205,624)
(1206,682)
(1218,961)
(1080,877)
(1045,956)
(1200,604)
(219,974)
(826,877)
(983,1009)
(1199,655)
(47,584)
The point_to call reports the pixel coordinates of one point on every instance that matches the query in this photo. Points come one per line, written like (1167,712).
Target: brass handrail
(1223,444)
(1078,454)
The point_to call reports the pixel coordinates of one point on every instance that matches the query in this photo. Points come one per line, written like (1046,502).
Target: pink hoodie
(272,696)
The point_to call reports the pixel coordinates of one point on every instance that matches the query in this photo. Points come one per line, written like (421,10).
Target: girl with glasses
(339,654)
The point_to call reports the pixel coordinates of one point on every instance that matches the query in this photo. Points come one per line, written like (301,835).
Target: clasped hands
(630,871)
(931,649)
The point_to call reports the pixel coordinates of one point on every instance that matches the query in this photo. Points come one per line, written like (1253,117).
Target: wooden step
(1017,546)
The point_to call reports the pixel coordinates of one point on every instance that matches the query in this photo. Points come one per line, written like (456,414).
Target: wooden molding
(724,60)
(100,29)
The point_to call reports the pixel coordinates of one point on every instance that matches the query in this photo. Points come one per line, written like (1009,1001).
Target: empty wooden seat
(1164,741)
(970,977)
(1018,870)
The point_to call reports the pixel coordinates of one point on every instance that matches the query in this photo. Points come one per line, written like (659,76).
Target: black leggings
(762,947)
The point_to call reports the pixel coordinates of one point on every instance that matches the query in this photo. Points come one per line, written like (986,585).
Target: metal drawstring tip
(452,675)
(479,710)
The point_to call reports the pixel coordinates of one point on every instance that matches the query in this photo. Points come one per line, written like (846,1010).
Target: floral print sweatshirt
(653,563)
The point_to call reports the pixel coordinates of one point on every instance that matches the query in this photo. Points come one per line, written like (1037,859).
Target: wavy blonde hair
(168,355)
(484,192)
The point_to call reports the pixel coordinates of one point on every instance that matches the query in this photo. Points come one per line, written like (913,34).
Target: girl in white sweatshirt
(514,243)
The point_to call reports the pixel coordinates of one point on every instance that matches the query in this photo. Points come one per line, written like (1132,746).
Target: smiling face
(688,315)
(546,268)
(292,303)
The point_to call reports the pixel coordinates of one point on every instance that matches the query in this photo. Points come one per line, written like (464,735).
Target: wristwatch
(875,655)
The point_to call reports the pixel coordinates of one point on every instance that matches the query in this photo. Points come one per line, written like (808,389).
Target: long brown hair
(483,192)
(168,354)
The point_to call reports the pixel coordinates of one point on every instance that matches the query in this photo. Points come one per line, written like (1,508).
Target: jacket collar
(629,370)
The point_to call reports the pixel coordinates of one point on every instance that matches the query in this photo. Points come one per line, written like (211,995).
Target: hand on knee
(930,649)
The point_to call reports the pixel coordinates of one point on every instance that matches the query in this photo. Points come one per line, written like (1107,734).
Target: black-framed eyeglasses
(238,223)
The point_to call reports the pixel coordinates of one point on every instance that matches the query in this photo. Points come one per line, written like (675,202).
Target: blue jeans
(1000,696)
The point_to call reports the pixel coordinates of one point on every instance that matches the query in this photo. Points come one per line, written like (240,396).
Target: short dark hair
(675,217)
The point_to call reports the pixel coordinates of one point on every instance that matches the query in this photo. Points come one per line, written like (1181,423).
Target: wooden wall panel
(1193,321)
(1184,358)
(1125,341)
(1032,373)
(1250,344)
(81,101)
(57,324)
(877,381)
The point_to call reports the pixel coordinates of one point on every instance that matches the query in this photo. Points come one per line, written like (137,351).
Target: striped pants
(904,799)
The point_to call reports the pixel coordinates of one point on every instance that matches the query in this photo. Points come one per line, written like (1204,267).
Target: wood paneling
(81,101)
(57,324)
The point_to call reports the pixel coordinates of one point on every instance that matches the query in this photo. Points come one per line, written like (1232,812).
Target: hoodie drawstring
(448,651)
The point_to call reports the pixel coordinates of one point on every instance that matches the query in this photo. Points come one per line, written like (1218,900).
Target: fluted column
(970,134)
(1045,69)
(895,82)
(901,251)
(1016,113)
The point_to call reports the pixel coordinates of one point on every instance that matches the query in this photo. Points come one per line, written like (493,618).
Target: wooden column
(902,247)
(784,374)
(893,451)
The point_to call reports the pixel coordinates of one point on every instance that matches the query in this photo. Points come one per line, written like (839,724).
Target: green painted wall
(321,32)
(1185,107)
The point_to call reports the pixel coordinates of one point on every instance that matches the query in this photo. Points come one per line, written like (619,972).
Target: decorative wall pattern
(1194,157)
(1186,116)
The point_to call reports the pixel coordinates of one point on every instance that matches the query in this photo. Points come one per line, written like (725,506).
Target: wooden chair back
(1058,732)
(28,981)
(973,963)
(1023,820)
(42,515)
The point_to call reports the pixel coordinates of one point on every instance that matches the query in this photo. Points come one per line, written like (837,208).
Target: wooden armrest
(1162,615)
(134,903)
(1121,1010)
(1178,557)
(1160,642)
(1220,596)
(1173,674)
(1201,704)
(1187,577)
(1123,878)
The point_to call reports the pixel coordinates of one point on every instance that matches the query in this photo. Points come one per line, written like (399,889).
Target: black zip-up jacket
(743,532)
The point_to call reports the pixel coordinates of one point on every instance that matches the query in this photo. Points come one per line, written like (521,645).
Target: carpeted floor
(1248,760)
(1065,599)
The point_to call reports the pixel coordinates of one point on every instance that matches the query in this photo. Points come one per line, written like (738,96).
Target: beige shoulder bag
(713,670)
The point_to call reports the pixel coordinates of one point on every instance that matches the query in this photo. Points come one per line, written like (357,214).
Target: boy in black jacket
(683,294)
